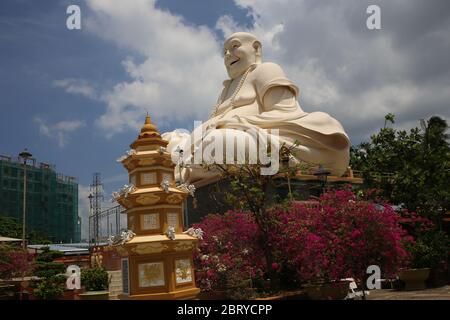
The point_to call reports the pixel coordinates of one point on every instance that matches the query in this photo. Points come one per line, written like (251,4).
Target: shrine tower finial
(149,136)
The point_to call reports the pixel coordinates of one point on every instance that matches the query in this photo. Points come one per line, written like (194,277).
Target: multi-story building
(52,199)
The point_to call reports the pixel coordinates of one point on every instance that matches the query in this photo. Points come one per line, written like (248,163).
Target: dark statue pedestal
(210,198)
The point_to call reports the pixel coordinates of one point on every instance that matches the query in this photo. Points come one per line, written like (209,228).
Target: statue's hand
(175,138)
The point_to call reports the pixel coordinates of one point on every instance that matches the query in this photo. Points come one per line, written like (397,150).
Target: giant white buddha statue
(259,95)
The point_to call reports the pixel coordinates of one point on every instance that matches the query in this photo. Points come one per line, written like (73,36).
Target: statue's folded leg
(220,146)
(230,146)
(334,160)
(196,173)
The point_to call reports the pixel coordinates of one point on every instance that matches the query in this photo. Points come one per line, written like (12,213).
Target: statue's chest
(236,96)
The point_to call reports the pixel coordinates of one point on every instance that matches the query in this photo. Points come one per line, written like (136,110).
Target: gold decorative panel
(121,251)
(124,202)
(150,221)
(147,162)
(148,248)
(131,165)
(147,199)
(174,198)
(183,271)
(183,246)
(151,274)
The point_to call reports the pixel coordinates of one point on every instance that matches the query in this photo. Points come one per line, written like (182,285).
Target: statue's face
(239,55)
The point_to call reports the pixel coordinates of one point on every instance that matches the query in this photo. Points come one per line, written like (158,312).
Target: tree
(411,168)
(249,190)
(10,227)
(14,262)
(390,117)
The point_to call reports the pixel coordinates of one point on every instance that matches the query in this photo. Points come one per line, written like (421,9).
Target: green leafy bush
(410,168)
(95,279)
(51,284)
(430,250)
(50,288)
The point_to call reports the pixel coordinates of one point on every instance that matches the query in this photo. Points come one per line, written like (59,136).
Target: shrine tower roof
(149,136)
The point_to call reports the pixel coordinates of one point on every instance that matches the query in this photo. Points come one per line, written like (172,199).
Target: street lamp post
(25,155)
(79,228)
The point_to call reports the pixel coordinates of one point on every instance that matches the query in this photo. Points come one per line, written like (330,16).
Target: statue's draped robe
(268,100)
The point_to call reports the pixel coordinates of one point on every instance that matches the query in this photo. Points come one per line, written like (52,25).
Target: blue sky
(36,49)
(77,98)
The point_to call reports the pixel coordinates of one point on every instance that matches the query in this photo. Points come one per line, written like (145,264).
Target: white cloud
(227,25)
(59,130)
(76,86)
(181,72)
(316,85)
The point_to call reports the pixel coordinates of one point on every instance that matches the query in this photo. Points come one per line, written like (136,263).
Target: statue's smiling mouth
(233,62)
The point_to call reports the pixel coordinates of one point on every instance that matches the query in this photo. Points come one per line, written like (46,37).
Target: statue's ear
(258,51)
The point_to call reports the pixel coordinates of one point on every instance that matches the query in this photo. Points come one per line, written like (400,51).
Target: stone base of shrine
(187,294)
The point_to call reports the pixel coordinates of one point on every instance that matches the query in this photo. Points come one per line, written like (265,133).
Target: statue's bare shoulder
(267,75)
(267,70)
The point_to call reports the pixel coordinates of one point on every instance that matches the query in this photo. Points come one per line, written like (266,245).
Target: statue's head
(241,50)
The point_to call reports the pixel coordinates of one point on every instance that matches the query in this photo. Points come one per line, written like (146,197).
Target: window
(150,221)
(183,271)
(151,274)
(148,178)
(173,220)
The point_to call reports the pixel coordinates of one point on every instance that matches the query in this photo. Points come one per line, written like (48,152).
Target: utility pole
(90,219)
(97,198)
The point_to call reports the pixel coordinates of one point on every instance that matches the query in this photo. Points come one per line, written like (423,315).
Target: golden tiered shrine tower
(156,261)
